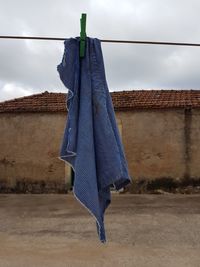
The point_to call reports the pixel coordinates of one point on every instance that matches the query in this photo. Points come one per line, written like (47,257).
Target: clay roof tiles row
(122,100)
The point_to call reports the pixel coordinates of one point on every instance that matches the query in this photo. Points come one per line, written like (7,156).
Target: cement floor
(142,231)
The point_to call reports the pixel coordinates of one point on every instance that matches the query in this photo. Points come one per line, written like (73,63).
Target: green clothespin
(82,35)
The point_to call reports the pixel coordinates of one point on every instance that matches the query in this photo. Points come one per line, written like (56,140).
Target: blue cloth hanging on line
(91,143)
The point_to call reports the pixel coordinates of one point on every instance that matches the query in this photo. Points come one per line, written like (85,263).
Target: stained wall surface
(158,144)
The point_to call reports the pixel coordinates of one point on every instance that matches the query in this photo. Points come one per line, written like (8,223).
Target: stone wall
(29,152)
(161,147)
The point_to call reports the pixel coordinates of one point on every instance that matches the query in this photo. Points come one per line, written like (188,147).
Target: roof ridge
(123,91)
(21,97)
(157,90)
(147,90)
(28,96)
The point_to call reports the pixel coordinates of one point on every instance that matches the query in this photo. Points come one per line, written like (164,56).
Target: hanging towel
(91,142)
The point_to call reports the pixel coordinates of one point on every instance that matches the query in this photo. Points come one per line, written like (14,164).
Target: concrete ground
(142,231)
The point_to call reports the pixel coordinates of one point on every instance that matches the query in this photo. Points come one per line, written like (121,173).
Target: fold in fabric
(91,142)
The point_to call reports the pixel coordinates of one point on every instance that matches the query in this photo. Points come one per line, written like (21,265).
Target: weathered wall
(154,143)
(160,145)
(29,152)
(193,144)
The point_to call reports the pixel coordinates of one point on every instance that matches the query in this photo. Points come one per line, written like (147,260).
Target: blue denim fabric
(91,142)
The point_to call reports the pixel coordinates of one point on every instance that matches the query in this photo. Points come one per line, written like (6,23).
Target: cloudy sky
(28,67)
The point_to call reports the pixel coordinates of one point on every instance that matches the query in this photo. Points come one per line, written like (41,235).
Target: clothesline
(102,41)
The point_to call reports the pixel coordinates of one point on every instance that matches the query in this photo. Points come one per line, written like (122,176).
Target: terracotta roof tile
(122,100)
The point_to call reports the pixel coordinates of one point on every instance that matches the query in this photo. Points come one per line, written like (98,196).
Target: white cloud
(10,91)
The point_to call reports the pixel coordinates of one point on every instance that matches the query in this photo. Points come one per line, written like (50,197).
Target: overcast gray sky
(29,67)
